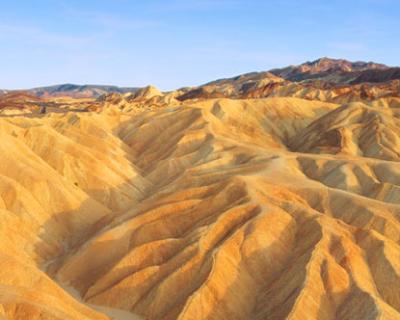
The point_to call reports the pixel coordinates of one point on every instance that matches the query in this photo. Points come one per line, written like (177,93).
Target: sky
(176,43)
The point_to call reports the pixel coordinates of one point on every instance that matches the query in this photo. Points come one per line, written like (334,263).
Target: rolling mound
(145,207)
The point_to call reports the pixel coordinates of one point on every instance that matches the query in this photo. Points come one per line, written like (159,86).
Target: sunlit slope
(354,129)
(216,209)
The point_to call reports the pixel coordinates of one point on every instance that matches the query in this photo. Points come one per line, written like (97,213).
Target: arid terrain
(271,195)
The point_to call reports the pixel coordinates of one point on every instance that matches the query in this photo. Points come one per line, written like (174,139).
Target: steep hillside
(377,75)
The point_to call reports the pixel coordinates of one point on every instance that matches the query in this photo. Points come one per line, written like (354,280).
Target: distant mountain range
(304,81)
(330,70)
(76,91)
(338,71)
(323,72)
(79,91)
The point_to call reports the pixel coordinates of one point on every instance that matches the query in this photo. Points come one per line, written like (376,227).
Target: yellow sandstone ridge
(276,208)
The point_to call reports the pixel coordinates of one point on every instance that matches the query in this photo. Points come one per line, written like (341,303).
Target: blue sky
(180,43)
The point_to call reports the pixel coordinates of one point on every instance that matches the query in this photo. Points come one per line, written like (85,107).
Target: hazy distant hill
(78,91)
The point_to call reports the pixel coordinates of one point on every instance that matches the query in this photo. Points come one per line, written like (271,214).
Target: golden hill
(150,208)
